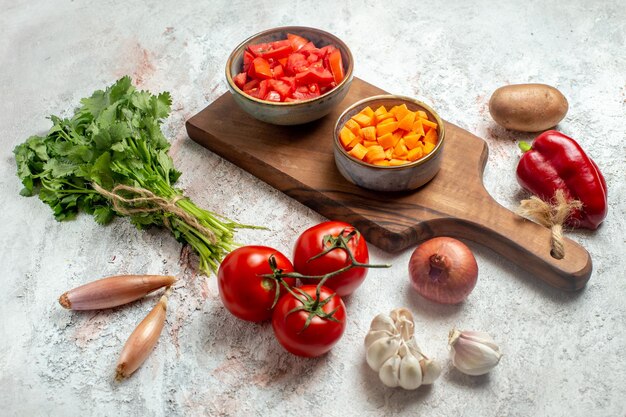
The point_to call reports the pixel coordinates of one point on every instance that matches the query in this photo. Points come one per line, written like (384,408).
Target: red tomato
(264,88)
(336,66)
(261,68)
(313,58)
(282,87)
(321,334)
(327,49)
(296,63)
(278,71)
(247,60)
(308,47)
(305,92)
(291,81)
(273,96)
(243,291)
(311,243)
(328,87)
(296,41)
(250,85)
(240,80)
(278,49)
(314,75)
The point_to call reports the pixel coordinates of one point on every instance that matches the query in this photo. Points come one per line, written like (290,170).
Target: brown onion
(443,270)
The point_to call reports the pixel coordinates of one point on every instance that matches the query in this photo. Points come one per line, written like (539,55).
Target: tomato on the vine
(311,243)
(244,292)
(321,334)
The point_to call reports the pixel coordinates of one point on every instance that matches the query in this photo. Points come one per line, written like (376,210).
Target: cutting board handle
(528,244)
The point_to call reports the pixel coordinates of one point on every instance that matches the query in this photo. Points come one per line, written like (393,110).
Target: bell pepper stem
(525,146)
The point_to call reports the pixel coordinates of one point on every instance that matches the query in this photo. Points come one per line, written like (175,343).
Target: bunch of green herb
(111,159)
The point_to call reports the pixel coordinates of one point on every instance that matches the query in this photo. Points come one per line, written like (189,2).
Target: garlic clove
(404,322)
(430,371)
(480,337)
(473,357)
(404,350)
(414,348)
(383,322)
(410,372)
(389,372)
(381,350)
(374,335)
(402,312)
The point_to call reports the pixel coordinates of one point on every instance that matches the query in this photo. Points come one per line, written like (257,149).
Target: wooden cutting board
(298,160)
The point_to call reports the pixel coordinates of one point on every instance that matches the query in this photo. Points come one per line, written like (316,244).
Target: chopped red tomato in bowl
(295,69)
(290,75)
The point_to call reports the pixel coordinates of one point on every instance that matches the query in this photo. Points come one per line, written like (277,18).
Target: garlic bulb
(473,353)
(394,354)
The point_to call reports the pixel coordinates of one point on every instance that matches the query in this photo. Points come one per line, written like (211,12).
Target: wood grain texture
(298,160)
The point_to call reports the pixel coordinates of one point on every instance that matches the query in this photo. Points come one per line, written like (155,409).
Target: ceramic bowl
(292,113)
(388,178)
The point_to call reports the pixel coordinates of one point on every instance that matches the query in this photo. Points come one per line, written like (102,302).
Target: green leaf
(89,202)
(119,147)
(144,220)
(165,162)
(107,116)
(121,88)
(119,131)
(75,153)
(174,175)
(103,214)
(39,147)
(161,105)
(101,171)
(102,140)
(27,191)
(63,215)
(61,148)
(23,155)
(48,196)
(157,138)
(141,100)
(59,169)
(70,200)
(95,104)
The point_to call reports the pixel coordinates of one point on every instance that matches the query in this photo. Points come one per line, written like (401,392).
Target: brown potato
(527,107)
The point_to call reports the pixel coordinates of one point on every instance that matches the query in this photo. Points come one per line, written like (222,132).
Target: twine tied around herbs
(553,215)
(145,201)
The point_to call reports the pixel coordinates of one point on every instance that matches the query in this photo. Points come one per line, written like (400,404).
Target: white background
(563,352)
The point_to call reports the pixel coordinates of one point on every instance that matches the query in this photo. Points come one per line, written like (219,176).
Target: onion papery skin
(443,270)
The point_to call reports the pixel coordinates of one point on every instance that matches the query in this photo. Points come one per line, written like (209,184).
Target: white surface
(564,353)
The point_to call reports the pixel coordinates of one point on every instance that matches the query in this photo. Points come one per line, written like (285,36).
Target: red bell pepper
(556,162)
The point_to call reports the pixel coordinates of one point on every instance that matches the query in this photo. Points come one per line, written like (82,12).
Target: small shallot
(113,291)
(142,340)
